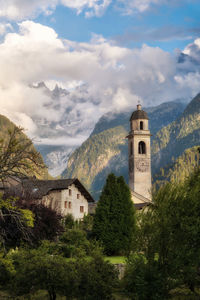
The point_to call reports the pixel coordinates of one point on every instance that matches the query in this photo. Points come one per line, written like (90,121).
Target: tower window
(141,125)
(131,148)
(141,148)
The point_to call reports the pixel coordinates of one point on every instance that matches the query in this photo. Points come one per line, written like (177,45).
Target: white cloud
(92,7)
(131,6)
(5,27)
(193,50)
(99,76)
(22,9)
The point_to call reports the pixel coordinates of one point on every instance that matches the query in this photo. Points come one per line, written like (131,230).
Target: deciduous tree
(18,156)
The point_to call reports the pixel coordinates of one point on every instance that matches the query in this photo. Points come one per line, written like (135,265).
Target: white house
(66,196)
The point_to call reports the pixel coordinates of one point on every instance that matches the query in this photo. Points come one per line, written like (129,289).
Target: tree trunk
(52,295)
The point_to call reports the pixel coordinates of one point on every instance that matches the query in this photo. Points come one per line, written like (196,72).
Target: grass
(115,259)
(111,259)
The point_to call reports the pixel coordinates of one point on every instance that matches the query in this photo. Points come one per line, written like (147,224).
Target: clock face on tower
(131,165)
(142,165)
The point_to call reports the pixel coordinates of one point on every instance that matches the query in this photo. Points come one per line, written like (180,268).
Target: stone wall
(121,270)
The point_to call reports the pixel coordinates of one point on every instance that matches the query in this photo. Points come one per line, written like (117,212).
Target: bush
(142,280)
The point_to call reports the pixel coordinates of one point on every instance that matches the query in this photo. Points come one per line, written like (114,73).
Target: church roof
(139,114)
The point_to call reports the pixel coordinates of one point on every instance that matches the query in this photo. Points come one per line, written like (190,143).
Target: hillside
(171,141)
(6,125)
(179,169)
(105,150)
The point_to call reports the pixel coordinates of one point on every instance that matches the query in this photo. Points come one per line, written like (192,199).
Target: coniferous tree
(114,221)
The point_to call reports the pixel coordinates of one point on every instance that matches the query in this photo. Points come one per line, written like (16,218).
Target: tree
(15,224)
(74,243)
(97,279)
(168,235)
(143,280)
(47,222)
(18,156)
(114,221)
(38,270)
(78,279)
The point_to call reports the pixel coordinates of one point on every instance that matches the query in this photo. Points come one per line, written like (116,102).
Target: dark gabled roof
(139,114)
(40,188)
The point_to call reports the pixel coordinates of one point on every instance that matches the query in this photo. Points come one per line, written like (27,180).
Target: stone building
(66,196)
(139,153)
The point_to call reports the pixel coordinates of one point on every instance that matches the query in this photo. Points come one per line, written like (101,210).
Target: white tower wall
(140,156)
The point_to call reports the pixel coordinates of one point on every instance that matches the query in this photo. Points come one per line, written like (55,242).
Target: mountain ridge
(117,162)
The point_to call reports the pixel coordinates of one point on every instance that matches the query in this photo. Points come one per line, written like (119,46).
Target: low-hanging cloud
(95,77)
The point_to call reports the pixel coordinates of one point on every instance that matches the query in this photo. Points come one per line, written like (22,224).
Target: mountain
(160,116)
(105,150)
(60,135)
(6,125)
(171,141)
(55,157)
(180,169)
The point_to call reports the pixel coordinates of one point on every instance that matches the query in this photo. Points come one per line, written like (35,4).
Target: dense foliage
(15,224)
(171,141)
(180,169)
(168,240)
(114,221)
(79,279)
(47,222)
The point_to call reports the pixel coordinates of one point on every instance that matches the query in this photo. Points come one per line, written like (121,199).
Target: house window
(78,196)
(82,209)
(65,204)
(141,148)
(141,125)
(70,205)
(70,192)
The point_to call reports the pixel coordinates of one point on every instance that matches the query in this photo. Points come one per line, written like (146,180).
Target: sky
(106,55)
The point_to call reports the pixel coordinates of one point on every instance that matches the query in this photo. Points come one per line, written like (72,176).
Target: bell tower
(139,152)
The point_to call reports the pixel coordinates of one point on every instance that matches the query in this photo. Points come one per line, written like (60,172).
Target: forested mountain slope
(180,169)
(171,141)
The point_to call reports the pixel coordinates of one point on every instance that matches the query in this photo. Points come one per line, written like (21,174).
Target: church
(139,158)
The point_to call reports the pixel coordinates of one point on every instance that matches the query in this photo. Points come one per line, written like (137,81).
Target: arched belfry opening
(142,148)
(141,125)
